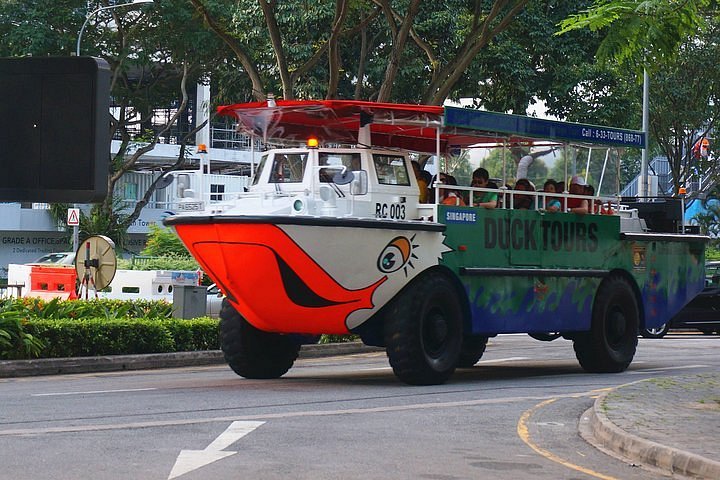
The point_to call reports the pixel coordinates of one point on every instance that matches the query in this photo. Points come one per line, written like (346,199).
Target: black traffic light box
(54,129)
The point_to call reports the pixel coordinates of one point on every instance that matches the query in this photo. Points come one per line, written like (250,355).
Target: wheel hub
(435,332)
(616,325)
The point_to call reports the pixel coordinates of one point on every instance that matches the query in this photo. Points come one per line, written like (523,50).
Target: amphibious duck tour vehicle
(331,238)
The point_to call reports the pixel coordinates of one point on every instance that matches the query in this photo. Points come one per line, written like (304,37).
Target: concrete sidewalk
(114,363)
(671,423)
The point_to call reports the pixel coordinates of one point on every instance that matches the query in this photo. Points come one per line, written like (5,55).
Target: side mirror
(359,185)
(343,178)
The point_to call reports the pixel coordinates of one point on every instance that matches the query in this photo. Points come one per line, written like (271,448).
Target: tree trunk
(230,41)
(361,64)
(268,8)
(334,50)
(398,47)
(480,35)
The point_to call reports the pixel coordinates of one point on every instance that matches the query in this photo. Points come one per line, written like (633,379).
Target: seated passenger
(422,183)
(520,201)
(447,196)
(596,203)
(552,204)
(280,169)
(577,205)
(481,179)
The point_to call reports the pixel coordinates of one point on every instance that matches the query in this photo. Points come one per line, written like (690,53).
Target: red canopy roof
(411,127)
(414,127)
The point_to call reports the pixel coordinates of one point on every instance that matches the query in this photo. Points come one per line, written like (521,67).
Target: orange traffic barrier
(52,282)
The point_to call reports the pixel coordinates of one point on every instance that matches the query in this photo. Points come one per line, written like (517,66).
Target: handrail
(612,201)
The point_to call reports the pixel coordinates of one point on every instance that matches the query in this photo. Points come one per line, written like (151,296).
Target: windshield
(288,167)
(349,160)
(391,169)
(259,169)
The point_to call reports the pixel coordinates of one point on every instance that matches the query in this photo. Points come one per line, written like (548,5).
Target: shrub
(31,307)
(15,340)
(97,336)
(163,241)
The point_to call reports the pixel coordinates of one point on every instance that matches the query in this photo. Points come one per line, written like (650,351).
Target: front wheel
(423,331)
(471,351)
(253,353)
(610,345)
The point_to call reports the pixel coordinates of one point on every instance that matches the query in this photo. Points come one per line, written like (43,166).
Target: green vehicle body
(530,271)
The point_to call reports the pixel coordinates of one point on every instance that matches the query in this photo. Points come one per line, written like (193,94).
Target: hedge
(70,337)
(31,328)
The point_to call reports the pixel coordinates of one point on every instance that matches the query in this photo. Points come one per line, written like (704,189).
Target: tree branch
(236,47)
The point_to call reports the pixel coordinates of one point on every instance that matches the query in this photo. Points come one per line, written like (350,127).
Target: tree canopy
(502,54)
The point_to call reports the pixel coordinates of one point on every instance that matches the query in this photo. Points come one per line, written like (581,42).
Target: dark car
(703,311)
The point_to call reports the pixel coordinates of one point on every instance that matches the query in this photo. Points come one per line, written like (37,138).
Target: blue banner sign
(468,119)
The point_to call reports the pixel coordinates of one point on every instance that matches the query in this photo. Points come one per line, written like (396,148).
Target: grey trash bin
(189,301)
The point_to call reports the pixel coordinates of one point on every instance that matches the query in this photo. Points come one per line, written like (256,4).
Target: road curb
(637,449)
(114,363)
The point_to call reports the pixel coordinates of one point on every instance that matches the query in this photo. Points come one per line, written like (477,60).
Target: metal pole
(252,156)
(642,187)
(76,235)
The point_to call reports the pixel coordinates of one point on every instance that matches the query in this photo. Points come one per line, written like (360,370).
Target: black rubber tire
(655,332)
(252,353)
(545,337)
(424,331)
(471,350)
(610,345)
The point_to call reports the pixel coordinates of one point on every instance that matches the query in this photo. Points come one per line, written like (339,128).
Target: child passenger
(552,204)
(447,196)
(481,179)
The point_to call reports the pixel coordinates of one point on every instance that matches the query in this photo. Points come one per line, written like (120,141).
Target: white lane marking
(190,460)
(662,369)
(91,392)
(501,360)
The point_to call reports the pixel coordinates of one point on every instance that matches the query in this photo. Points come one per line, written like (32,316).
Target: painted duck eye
(395,255)
(388,261)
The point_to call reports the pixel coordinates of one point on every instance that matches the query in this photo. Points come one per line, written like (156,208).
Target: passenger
(422,184)
(552,204)
(520,201)
(577,205)
(447,196)
(596,203)
(428,177)
(280,167)
(481,179)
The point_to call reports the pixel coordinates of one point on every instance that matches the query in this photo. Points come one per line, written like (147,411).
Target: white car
(214,301)
(56,258)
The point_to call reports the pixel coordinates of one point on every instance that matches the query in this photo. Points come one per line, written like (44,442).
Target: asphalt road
(515,415)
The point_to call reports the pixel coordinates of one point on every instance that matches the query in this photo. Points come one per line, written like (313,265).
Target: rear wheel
(471,351)
(610,344)
(657,332)
(252,353)
(423,331)
(545,337)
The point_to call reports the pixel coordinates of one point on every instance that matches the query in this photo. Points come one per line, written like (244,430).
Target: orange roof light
(312,142)
(682,191)
(202,148)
